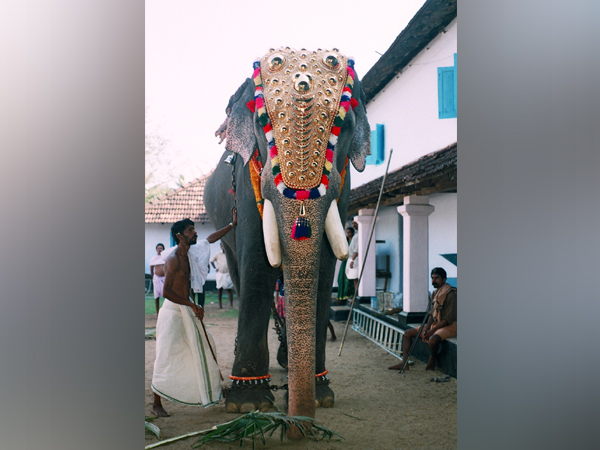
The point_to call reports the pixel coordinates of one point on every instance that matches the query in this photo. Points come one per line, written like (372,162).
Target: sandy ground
(375,408)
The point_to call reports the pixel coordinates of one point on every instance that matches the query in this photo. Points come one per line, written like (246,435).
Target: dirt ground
(375,408)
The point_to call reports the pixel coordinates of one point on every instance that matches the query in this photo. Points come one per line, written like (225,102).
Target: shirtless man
(177,279)
(157,271)
(441,320)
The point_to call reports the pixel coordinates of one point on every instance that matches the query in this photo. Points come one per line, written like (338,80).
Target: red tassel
(353,102)
(251,105)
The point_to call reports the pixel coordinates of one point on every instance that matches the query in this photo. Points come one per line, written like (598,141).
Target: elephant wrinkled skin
(309,264)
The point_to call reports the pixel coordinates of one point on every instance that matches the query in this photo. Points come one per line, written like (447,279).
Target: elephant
(290,131)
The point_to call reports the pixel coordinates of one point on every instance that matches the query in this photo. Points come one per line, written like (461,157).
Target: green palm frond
(254,424)
(264,425)
(153,429)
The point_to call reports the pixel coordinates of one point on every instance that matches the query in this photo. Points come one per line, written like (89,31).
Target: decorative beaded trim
(322,380)
(263,117)
(262,377)
(251,384)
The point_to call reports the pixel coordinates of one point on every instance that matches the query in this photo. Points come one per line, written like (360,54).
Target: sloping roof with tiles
(435,172)
(184,202)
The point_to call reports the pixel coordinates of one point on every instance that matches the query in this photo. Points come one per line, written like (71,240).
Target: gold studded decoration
(300,122)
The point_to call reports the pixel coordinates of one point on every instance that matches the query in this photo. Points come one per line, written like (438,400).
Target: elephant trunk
(301,282)
(301,274)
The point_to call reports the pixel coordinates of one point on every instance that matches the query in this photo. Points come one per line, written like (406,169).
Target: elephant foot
(244,400)
(324,396)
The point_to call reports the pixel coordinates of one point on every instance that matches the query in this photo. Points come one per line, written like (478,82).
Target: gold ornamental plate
(302,91)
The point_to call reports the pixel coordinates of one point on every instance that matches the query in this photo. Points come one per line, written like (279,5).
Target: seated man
(441,321)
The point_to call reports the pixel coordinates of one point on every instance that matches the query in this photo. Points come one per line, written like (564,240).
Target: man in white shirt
(157,271)
(223,278)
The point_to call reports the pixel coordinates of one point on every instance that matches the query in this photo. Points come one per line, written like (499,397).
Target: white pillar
(415,211)
(368,280)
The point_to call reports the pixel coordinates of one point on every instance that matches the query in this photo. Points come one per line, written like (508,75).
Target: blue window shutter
(447,98)
(455,86)
(377,145)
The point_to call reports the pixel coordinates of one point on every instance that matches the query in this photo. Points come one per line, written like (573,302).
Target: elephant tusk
(271,234)
(335,232)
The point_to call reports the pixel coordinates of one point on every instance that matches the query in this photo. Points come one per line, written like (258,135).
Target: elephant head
(305,113)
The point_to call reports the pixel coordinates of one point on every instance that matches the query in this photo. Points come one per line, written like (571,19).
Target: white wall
(443,232)
(388,229)
(155,233)
(408,108)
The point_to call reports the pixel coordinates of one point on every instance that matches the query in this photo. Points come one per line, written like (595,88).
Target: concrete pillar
(415,212)
(368,280)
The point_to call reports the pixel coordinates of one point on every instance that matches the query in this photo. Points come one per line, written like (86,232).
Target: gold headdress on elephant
(302,98)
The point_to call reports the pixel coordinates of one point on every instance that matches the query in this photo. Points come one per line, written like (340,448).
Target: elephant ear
(360,147)
(240,122)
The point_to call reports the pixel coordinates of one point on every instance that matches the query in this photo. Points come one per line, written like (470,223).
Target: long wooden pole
(366,251)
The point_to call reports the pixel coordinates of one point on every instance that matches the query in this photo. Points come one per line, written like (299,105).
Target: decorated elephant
(290,132)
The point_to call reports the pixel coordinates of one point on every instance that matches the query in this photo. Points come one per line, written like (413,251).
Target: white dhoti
(224,281)
(185,370)
(159,284)
(352,272)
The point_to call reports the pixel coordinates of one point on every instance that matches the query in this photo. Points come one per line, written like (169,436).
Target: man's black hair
(441,272)
(160,245)
(178,227)
(351,229)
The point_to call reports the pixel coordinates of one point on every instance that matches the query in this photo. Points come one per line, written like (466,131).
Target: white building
(411,107)
(185,202)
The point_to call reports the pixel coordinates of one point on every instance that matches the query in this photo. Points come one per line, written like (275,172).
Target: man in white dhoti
(223,278)
(157,271)
(186,369)
(352,263)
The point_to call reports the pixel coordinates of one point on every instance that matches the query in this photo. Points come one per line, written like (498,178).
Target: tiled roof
(182,203)
(435,172)
(427,23)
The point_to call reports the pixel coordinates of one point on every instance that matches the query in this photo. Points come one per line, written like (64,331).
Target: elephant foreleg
(324,395)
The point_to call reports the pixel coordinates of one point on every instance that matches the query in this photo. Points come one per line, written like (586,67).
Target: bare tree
(159,173)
